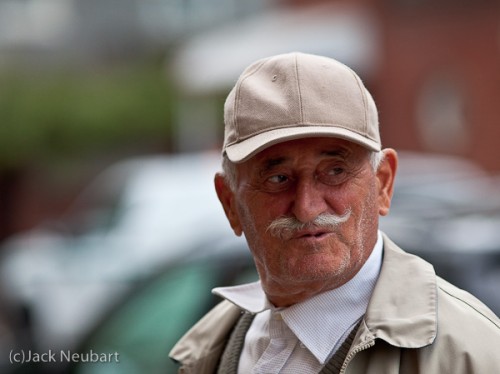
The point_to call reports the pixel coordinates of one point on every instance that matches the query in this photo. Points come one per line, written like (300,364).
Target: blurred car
(148,322)
(109,291)
(134,218)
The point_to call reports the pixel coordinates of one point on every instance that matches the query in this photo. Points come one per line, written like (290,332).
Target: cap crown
(293,96)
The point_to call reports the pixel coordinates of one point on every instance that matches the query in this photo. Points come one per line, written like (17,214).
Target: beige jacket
(415,323)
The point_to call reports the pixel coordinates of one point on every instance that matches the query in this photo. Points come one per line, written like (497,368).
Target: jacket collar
(201,347)
(403,307)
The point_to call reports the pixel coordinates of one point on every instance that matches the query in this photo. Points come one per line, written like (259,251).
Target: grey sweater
(231,356)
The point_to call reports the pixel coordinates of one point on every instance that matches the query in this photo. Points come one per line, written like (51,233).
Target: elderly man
(305,180)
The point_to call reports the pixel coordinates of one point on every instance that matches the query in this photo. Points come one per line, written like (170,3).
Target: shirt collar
(339,309)
(249,297)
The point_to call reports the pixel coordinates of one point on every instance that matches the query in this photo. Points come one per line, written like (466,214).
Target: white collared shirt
(301,338)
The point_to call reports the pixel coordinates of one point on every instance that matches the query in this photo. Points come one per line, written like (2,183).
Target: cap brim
(247,148)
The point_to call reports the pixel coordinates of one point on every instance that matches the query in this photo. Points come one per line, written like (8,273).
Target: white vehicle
(134,218)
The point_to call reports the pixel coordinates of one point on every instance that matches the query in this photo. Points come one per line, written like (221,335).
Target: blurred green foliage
(62,114)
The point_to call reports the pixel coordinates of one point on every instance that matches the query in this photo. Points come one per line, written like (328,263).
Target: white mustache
(286,227)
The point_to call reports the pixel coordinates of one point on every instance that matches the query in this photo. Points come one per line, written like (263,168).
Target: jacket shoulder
(468,331)
(465,320)
(464,303)
(423,324)
(200,348)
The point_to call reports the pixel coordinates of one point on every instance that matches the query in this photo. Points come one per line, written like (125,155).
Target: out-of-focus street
(111,234)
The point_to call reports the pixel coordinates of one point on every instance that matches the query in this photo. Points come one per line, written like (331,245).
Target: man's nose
(309,201)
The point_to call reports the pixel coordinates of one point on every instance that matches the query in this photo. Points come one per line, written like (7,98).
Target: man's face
(302,180)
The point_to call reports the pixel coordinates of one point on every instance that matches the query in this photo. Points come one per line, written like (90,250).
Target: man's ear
(386,174)
(226,197)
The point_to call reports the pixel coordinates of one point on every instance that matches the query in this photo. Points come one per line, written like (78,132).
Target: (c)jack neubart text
(26,356)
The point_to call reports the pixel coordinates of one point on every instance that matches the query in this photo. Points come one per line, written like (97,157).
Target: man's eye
(333,176)
(335,171)
(278,179)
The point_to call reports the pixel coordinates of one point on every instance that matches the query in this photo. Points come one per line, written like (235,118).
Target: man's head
(304,175)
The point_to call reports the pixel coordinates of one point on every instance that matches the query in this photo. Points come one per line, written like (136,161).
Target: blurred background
(111,235)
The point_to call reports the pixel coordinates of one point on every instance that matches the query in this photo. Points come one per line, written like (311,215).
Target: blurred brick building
(437,83)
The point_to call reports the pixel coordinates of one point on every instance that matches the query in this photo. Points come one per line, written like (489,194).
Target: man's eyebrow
(270,163)
(337,152)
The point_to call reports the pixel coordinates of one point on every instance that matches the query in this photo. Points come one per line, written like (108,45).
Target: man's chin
(315,267)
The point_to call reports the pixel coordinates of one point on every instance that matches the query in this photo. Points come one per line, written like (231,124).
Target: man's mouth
(311,234)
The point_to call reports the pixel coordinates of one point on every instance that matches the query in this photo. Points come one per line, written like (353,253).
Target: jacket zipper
(353,353)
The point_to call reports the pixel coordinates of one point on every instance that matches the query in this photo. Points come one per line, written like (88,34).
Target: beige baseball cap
(297,95)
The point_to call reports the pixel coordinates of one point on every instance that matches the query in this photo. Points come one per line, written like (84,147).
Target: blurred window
(441,114)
